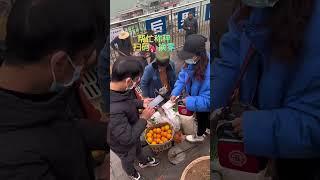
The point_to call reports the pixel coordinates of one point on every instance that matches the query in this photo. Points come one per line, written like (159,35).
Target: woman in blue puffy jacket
(194,78)
(282,81)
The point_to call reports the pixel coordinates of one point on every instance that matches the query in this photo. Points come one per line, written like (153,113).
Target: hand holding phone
(147,113)
(146,102)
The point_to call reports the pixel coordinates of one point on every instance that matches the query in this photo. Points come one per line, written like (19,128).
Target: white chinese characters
(156,26)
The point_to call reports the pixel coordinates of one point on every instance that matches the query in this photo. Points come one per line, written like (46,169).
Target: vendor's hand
(147,113)
(237,126)
(173,98)
(146,102)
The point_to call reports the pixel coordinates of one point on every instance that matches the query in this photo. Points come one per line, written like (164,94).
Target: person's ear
(59,63)
(128,81)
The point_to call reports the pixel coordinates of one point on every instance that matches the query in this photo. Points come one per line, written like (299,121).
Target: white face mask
(260,3)
(56,86)
(190,61)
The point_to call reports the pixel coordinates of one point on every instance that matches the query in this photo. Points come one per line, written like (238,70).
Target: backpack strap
(243,69)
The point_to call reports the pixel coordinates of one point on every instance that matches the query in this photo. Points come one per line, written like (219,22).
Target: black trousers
(128,158)
(203,122)
(185,37)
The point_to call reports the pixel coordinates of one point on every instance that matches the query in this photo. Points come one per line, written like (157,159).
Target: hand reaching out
(146,102)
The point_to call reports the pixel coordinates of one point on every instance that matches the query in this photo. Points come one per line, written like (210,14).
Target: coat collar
(155,65)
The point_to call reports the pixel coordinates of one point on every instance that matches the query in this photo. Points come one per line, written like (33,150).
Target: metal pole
(139,30)
(154,13)
(172,30)
(200,18)
(177,38)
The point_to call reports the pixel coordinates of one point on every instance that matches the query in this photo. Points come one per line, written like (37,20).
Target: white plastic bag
(168,105)
(175,122)
(188,124)
(155,119)
(171,115)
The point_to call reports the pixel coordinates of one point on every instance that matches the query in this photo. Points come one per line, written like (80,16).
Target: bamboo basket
(158,148)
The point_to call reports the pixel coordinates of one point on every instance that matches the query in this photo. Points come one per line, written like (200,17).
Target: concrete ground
(165,170)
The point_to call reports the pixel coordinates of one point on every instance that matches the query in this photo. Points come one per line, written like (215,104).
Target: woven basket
(157,148)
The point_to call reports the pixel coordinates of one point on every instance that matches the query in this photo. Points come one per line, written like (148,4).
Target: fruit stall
(165,137)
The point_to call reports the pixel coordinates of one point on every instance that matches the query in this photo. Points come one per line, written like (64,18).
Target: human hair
(288,22)
(142,60)
(163,63)
(37,28)
(201,66)
(151,33)
(126,67)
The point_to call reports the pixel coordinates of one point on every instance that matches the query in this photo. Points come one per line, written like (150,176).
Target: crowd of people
(152,71)
(45,133)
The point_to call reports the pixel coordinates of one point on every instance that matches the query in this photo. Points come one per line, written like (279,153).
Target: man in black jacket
(125,125)
(47,43)
(122,44)
(190,25)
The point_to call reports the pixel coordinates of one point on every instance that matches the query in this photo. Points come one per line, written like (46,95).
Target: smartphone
(156,101)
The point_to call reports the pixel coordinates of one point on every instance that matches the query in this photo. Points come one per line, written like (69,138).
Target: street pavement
(165,170)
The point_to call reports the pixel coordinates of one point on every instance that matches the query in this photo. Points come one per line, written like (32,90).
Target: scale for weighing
(177,154)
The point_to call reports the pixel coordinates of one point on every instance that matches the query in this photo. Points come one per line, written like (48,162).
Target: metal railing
(136,26)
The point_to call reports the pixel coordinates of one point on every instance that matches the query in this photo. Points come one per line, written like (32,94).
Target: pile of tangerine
(159,135)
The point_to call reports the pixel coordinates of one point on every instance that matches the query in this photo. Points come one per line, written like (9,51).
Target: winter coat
(151,81)
(287,124)
(42,138)
(192,24)
(199,91)
(125,126)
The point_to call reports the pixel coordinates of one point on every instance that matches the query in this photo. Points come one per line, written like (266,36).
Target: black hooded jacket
(125,126)
(39,139)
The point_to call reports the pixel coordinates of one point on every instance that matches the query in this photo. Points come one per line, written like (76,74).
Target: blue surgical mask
(190,61)
(56,86)
(260,3)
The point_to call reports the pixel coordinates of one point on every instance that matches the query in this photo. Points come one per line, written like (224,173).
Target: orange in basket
(159,137)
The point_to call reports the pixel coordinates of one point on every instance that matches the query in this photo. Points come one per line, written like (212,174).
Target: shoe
(194,138)
(136,176)
(152,162)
